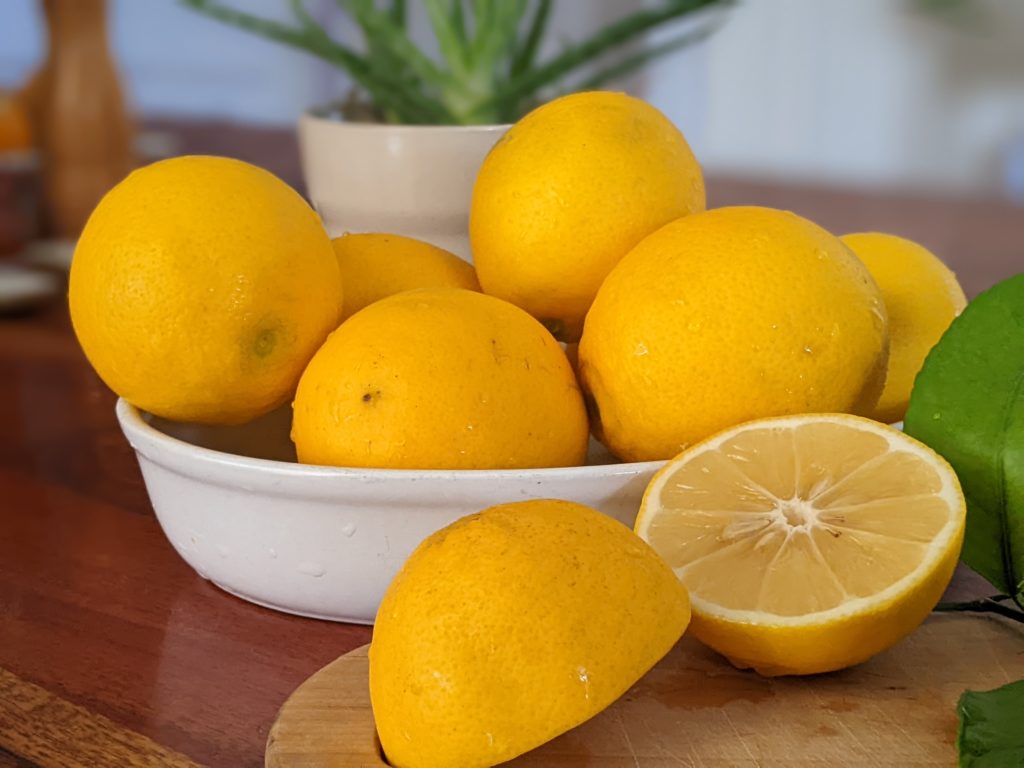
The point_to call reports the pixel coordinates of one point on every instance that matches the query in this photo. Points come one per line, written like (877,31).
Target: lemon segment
(512,626)
(807,543)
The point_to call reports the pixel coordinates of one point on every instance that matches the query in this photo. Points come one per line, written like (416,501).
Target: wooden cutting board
(694,710)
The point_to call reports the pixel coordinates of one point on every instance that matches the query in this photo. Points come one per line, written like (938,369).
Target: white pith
(798,516)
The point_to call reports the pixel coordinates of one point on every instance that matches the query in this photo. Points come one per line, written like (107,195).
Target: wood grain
(694,710)
(64,735)
(95,606)
(7,760)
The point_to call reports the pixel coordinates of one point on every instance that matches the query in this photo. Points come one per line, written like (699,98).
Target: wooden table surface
(112,651)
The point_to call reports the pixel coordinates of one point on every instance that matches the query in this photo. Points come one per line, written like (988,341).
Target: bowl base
(287,609)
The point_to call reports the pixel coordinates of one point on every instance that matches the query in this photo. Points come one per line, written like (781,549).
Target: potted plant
(400,154)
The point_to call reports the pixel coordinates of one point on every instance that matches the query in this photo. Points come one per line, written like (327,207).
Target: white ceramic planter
(413,180)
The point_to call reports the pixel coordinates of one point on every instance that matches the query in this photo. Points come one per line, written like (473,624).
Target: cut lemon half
(807,543)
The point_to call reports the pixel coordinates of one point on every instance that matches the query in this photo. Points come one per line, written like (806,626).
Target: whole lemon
(726,316)
(922,297)
(201,287)
(512,626)
(376,265)
(567,192)
(440,378)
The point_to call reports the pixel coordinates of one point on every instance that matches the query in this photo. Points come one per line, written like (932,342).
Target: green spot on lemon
(265,342)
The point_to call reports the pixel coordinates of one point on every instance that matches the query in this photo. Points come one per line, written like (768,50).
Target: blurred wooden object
(82,129)
(18,177)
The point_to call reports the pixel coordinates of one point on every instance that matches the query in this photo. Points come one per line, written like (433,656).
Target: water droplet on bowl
(349,529)
(223,551)
(273,553)
(311,568)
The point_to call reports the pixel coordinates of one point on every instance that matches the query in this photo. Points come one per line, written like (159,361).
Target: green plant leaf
(458,18)
(389,94)
(449,28)
(991,731)
(495,28)
(397,12)
(535,29)
(486,71)
(632,63)
(624,30)
(968,404)
(384,35)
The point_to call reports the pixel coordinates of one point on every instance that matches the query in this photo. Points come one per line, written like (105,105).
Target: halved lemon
(807,543)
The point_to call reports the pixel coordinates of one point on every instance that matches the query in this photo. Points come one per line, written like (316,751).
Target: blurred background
(876,114)
(890,93)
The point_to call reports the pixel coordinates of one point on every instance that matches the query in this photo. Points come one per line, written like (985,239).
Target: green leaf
(618,33)
(968,404)
(384,35)
(527,50)
(632,63)
(389,93)
(486,71)
(397,12)
(450,31)
(495,31)
(458,18)
(991,731)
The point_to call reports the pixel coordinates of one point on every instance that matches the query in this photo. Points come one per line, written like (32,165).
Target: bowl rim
(184,457)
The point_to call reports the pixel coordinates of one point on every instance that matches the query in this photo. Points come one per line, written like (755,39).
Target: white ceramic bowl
(323,541)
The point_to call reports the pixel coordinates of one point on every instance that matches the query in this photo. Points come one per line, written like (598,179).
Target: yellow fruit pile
(744,345)
(589,215)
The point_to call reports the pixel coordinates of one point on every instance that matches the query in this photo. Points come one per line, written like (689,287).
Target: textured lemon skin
(826,647)
(375,266)
(440,379)
(922,297)
(201,287)
(725,316)
(567,192)
(512,626)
